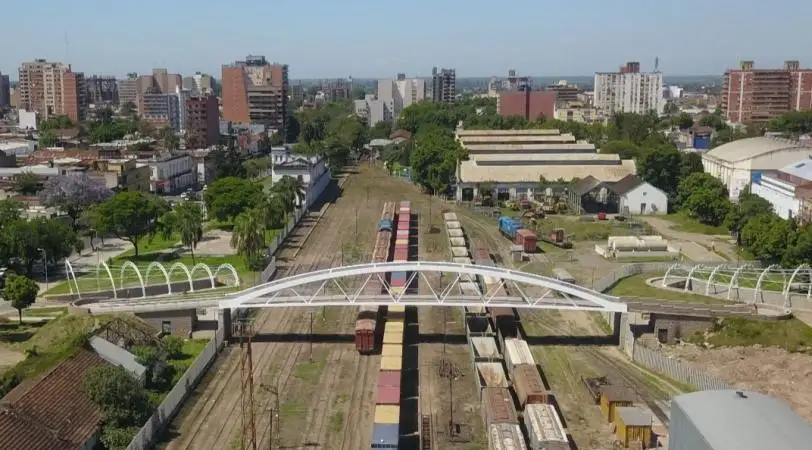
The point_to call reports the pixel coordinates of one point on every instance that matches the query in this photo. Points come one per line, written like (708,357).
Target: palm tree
(274,211)
(189,225)
(248,236)
(291,190)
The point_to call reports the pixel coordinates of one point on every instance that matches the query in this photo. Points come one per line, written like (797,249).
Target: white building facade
(629,91)
(411,90)
(780,188)
(740,163)
(644,199)
(310,171)
(172,175)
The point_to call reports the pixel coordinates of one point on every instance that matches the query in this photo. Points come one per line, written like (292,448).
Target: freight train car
(516,232)
(544,428)
(528,385)
(504,436)
(497,406)
(366,320)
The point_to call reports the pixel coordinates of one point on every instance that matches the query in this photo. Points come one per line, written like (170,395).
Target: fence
(166,411)
(310,197)
(677,370)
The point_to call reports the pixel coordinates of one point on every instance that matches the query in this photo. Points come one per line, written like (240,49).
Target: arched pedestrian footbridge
(427,283)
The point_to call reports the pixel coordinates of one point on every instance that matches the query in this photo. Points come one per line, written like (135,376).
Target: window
(166,327)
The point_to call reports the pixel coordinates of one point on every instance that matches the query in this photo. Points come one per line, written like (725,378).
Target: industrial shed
(740,162)
(735,420)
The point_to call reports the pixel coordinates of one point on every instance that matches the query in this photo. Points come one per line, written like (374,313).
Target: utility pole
(244,330)
(311,336)
(356,222)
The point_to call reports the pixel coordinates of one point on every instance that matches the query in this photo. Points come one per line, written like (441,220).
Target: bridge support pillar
(224,322)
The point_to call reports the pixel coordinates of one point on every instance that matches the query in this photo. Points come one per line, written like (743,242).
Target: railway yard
(428,377)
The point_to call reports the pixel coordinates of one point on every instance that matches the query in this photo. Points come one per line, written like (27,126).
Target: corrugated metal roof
(634,416)
(801,169)
(728,421)
(543,421)
(504,436)
(117,356)
(508,148)
(744,149)
(551,158)
(525,132)
(470,172)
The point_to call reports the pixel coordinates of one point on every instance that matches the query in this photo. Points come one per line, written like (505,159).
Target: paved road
(693,245)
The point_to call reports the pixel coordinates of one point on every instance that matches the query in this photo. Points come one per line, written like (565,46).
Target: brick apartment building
(202,121)
(443,85)
(255,91)
(52,89)
(528,104)
(758,95)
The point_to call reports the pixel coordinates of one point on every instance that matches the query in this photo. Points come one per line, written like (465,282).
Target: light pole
(45,265)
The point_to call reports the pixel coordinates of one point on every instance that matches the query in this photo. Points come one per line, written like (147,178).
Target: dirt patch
(772,371)
(9,358)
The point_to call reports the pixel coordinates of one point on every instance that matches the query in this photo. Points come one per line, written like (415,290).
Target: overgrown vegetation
(791,335)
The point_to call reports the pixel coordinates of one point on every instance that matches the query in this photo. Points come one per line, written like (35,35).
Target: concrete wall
(679,326)
(181,322)
(136,292)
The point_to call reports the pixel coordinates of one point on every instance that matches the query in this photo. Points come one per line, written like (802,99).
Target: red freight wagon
(364,335)
(497,405)
(527,239)
(389,378)
(528,385)
(388,395)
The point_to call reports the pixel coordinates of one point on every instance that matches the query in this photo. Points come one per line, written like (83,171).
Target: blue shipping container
(702,142)
(509,226)
(385,435)
(385,225)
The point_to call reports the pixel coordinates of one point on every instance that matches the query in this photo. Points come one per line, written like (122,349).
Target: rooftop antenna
(656,63)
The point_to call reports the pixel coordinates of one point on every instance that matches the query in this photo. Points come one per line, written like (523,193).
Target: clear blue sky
(378,38)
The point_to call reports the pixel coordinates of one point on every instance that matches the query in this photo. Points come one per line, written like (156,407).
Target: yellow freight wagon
(397,308)
(394,363)
(387,414)
(633,424)
(392,350)
(393,337)
(613,397)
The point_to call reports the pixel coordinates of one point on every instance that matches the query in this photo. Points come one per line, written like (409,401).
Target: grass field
(792,335)
(635,286)
(90,282)
(690,225)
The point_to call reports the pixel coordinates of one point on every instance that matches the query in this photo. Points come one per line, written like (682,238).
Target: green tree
(122,400)
(691,163)
(173,345)
(56,123)
(704,197)
(228,197)
(799,247)
(10,210)
(256,167)
(684,121)
(21,292)
(128,110)
(435,158)
(129,215)
(47,139)
(115,438)
(624,149)
(28,240)
(226,162)
(169,138)
(380,130)
(766,236)
(794,123)
(248,236)
(27,183)
(661,167)
(187,221)
(748,207)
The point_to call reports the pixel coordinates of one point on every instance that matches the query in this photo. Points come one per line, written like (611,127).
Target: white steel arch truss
(710,279)
(735,280)
(788,287)
(345,286)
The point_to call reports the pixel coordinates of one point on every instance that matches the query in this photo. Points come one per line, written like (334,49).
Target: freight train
(366,321)
(516,232)
(386,428)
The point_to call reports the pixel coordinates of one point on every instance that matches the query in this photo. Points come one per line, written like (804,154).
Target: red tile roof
(43,156)
(54,405)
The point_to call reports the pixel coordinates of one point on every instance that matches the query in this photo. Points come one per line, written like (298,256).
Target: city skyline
(187,37)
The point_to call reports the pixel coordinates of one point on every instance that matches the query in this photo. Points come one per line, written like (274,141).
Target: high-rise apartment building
(52,89)
(102,90)
(199,84)
(128,90)
(255,91)
(758,95)
(202,121)
(629,91)
(565,92)
(411,90)
(5,90)
(443,85)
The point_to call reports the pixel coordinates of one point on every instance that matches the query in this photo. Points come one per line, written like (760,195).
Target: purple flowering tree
(73,194)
